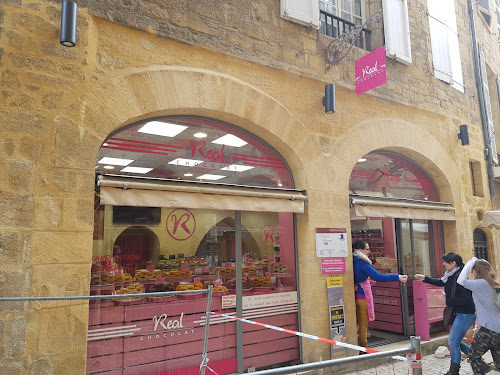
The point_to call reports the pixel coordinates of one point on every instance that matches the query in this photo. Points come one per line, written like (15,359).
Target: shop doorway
(396,209)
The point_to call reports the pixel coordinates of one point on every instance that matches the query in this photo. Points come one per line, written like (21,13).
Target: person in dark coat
(463,306)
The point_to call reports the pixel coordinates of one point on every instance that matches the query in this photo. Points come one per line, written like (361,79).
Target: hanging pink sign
(370,71)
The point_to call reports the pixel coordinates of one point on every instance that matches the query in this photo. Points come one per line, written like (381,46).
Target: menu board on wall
(331,242)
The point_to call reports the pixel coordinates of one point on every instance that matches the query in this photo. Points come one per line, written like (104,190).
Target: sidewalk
(430,364)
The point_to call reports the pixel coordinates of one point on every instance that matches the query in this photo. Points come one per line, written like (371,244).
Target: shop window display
(159,249)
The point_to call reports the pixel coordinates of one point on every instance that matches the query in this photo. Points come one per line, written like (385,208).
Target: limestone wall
(234,61)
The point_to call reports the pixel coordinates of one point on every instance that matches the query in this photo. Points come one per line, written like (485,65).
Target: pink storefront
(183,203)
(395,207)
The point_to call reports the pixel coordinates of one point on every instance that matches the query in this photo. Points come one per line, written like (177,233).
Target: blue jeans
(458,330)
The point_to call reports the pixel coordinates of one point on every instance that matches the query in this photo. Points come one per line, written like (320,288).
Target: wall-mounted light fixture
(329,98)
(68,23)
(463,135)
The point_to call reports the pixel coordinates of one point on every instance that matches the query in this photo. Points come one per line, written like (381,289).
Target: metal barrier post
(416,365)
(204,359)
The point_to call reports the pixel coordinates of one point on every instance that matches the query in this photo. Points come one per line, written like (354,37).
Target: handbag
(449,311)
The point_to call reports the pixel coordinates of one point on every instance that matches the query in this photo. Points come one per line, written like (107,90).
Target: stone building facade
(234,61)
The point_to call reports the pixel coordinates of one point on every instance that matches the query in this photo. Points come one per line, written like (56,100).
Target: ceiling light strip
(156,148)
(132,150)
(146,143)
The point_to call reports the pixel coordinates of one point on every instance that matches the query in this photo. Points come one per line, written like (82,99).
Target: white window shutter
(456,62)
(397,30)
(484,6)
(440,50)
(487,102)
(305,12)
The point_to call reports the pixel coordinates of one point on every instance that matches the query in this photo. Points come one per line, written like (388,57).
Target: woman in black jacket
(463,306)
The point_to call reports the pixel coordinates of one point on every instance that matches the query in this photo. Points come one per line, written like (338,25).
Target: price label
(184,267)
(150,268)
(119,272)
(197,280)
(248,264)
(245,276)
(268,274)
(159,281)
(206,270)
(218,283)
(272,260)
(265,257)
(229,265)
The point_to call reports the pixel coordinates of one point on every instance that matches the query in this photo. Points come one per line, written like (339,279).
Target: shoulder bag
(449,311)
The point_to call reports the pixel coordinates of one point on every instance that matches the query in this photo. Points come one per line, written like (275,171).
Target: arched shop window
(388,174)
(480,244)
(193,149)
(179,197)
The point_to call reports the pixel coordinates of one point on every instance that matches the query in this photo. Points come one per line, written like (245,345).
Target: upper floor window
(336,18)
(340,16)
(444,43)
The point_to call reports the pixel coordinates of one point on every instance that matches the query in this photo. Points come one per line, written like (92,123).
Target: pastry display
(195,286)
(277,268)
(231,284)
(220,289)
(123,278)
(225,271)
(181,273)
(261,282)
(134,288)
(249,270)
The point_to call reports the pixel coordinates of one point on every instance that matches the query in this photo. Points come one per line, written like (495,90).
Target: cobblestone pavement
(430,366)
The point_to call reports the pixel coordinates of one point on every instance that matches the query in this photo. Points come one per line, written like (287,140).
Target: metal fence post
(204,359)
(416,365)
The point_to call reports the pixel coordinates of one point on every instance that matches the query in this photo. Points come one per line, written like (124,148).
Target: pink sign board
(332,265)
(370,71)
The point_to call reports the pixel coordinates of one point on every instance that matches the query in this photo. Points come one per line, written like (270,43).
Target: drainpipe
(482,107)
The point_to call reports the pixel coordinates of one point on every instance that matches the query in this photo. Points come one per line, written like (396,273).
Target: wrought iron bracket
(340,47)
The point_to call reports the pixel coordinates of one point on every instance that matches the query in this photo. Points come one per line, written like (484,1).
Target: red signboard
(332,265)
(370,71)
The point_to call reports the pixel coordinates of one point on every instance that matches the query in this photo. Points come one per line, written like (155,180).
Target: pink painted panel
(175,351)
(174,308)
(386,292)
(387,309)
(104,347)
(269,335)
(106,315)
(263,348)
(272,358)
(392,301)
(275,320)
(160,339)
(110,362)
(386,326)
(180,363)
(221,367)
(390,318)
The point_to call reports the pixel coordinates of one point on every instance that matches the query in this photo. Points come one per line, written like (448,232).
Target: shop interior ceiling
(192,149)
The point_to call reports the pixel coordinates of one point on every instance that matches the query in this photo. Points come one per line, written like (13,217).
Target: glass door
(415,248)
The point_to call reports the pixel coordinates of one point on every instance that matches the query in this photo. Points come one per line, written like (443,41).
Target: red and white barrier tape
(296,333)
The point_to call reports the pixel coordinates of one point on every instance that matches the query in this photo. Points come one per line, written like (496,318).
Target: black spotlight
(329,98)
(68,23)
(463,135)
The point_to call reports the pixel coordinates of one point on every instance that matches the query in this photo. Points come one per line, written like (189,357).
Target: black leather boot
(454,369)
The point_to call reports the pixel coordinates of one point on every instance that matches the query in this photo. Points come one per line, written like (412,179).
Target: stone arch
(137,94)
(402,137)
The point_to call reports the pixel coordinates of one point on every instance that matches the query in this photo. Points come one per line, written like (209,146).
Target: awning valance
(116,191)
(491,219)
(402,208)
